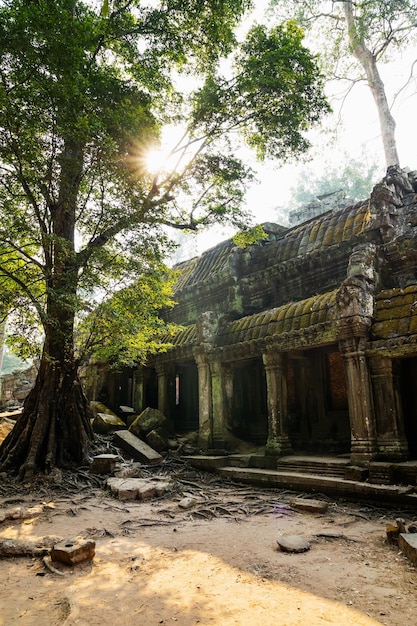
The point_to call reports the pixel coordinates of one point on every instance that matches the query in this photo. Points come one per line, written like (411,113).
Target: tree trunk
(369,64)
(2,334)
(54,428)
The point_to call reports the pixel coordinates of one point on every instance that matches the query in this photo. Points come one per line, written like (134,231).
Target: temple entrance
(119,389)
(318,416)
(185,397)
(249,413)
(150,388)
(409,402)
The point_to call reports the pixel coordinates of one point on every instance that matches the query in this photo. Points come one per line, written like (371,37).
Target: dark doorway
(249,413)
(150,388)
(185,408)
(409,402)
(318,409)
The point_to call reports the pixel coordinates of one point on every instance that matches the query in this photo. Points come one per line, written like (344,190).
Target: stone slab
(137,448)
(206,462)
(309,505)
(138,488)
(407,542)
(104,423)
(127,409)
(73,551)
(103,463)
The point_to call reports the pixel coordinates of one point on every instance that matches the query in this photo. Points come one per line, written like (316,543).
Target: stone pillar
(390,431)
(138,390)
(162,372)
(219,415)
(275,365)
(204,401)
(360,402)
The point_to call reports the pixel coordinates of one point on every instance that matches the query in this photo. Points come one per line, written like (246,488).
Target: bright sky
(357,134)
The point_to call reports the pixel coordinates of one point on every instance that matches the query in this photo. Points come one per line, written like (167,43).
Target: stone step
(312,469)
(317,483)
(323,466)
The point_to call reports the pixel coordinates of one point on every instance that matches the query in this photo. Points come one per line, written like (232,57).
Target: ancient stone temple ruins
(305,342)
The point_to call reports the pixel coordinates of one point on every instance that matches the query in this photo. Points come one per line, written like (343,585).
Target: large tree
(369,31)
(84,91)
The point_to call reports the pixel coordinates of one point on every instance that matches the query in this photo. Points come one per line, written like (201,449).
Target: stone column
(219,415)
(275,365)
(391,439)
(360,402)
(138,390)
(204,401)
(163,391)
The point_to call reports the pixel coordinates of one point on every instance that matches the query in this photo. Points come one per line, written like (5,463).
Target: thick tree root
(12,547)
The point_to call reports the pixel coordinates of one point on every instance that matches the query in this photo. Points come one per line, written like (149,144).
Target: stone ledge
(407,542)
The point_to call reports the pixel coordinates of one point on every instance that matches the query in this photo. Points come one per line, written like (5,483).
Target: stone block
(73,551)
(104,423)
(380,473)
(407,542)
(150,419)
(157,441)
(103,463)
(393,532)
(138,488)
(137,448)
(356,473)
(127,409)
(311,506)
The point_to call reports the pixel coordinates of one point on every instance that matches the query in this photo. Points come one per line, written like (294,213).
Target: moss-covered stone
(99,407)
(103,423)
(150,419)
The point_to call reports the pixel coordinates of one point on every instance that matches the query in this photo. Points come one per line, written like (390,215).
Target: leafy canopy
(85,88)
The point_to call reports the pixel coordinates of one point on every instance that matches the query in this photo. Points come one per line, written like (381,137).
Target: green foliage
(125,327)
(356,178)
(275,96)
(84,91)
(249,237)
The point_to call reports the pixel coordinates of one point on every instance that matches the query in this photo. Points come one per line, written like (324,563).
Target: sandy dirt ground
(216,563)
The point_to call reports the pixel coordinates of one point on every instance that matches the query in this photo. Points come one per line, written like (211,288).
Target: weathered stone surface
(380,472)
(72,551)
(131,470)
(99,407)
(104,423)
(157,441)
(138,488)
(137,448)
(103,463)
(356,473)
(293,543)
(148,420)
(127,409)
(407,542)
(393,532)
(312,506)
(130,419)
(124,488)
(187,503)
